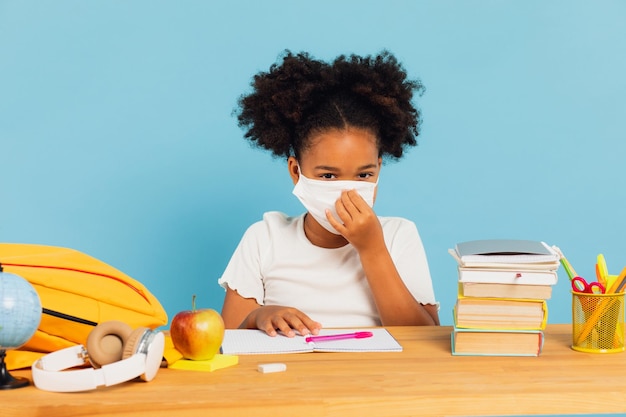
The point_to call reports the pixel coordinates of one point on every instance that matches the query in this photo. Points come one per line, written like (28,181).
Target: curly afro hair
(303,96)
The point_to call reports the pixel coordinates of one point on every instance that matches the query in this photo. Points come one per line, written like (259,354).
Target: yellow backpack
(77,293)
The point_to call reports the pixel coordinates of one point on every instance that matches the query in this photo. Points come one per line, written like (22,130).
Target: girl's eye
(327,176)
(365,175)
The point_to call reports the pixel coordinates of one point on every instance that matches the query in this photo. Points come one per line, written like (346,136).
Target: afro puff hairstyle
(303,96)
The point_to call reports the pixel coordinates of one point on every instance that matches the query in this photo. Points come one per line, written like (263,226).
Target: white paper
(244,342)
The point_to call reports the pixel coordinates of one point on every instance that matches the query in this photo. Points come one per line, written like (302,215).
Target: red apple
(197,334)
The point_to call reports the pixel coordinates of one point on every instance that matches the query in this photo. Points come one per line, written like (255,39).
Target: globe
(20,314)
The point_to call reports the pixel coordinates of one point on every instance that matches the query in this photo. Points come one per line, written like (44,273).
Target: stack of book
(504,285)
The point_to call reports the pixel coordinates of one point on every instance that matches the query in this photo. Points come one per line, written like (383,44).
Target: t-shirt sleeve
(243,272)
(409,256)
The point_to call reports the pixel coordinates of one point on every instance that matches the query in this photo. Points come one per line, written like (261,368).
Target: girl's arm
(361,227)
(236,308)
(396,305)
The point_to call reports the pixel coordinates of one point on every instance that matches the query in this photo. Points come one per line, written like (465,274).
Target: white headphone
(116,352)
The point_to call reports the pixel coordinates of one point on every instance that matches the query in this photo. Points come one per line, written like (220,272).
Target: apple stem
(193,302)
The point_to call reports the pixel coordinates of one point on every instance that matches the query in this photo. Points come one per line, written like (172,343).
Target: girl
(339,264)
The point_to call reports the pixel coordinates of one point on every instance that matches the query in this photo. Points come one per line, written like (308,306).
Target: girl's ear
(294,170)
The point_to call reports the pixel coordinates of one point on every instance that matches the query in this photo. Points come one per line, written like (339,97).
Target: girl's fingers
(339,227)
(287,321)
(355,201)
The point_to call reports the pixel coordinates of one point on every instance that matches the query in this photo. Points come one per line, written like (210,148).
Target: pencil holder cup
(598,322)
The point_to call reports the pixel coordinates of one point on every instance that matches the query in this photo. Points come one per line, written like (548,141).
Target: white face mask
(318,195)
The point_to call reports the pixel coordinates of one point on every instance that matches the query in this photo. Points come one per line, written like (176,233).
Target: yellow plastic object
(598,322)
(219,361)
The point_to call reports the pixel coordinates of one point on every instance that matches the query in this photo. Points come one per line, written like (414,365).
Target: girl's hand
(286,320)
(359,224)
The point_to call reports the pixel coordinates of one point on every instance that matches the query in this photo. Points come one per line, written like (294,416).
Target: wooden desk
(423,380)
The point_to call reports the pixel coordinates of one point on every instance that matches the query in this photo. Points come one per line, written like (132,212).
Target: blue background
(117,135)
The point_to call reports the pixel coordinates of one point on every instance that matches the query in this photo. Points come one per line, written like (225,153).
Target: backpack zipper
(132,287)
(67,317)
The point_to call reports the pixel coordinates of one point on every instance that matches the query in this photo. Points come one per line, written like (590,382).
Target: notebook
(504,247)
(249,342)
(506,253)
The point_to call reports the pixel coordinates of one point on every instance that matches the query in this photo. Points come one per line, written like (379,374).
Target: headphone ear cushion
(105,343)
(130,347)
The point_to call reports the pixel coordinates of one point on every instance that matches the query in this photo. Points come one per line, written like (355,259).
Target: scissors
(579,284)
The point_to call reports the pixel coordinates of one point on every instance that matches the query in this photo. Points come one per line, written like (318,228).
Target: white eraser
(266,368)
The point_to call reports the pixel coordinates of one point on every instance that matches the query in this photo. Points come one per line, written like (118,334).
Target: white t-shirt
(276,264)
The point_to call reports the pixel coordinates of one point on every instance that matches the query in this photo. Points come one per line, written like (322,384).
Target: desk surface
(424,379)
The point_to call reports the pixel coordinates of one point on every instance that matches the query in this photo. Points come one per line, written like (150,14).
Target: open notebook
(244,342)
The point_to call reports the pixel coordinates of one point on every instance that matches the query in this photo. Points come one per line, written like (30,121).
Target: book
(500,313)
(508,276)
(496,290)
(492,342)
(506,253)
(248,341)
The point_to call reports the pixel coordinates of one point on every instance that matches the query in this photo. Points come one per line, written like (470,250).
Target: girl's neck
(321,237)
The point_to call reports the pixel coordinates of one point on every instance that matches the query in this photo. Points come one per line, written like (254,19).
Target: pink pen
(357,335)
